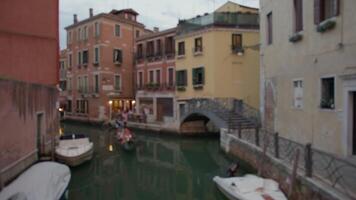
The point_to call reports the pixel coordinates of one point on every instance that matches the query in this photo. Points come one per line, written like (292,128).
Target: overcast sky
(160,13)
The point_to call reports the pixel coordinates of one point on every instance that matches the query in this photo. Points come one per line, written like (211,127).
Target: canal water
(161,168)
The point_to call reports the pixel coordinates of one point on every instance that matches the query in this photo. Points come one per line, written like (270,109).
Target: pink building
(155,76)
(28,77)
(100,65)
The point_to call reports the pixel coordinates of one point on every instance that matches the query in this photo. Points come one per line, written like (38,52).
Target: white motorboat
(74,150)
(42,181)
(249,187)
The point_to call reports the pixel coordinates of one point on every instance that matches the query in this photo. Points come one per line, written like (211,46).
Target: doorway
(354,123)
(39,133)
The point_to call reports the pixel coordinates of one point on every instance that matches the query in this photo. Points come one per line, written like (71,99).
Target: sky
(153,13)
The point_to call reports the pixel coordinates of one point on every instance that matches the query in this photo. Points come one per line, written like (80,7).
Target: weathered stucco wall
(20,103)
(317,55)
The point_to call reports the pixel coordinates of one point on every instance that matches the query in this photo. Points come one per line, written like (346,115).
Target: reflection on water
(161,168)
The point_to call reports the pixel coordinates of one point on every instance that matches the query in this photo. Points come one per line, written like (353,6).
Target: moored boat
(44,180)
(74,150)
(249,187)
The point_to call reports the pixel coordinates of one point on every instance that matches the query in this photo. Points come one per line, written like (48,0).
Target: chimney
(75,19)
(91,12)
(155,29)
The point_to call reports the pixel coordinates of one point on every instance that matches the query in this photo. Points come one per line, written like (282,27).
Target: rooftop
(156,34)
(219,19)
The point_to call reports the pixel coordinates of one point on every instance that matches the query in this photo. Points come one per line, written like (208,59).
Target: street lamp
(110,109)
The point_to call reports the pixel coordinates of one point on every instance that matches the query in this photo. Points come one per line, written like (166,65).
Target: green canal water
(161,168)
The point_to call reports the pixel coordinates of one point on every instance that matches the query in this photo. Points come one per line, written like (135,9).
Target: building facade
(308,69)
(155,76)
(218,56)
(100,57)
(29,52)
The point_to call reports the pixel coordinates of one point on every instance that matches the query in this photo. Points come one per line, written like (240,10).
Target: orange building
(155,76)
(100,57)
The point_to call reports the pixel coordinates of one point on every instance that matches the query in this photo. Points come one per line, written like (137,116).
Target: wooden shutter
(317,11)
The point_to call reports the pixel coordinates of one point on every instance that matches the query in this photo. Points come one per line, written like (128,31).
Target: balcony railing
(237,20)
(140,58)
(156,87)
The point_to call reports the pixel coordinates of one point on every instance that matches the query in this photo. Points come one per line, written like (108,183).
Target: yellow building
(218,55)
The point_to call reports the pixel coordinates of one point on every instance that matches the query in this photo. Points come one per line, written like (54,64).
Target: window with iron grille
(327,93)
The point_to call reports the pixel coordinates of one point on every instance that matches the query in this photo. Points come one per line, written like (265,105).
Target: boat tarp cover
(42,181)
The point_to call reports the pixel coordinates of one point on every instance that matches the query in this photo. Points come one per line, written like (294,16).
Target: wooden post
(53,146)
(276,145)
(239,131)
(294,174)
(257,137)
(308,160)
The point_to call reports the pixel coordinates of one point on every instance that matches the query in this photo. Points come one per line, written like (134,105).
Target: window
(70,60)
(79,35)
(96,55)
(269,28)
(181,48)
(69,106)
(117,56)
(140,79)
(198,45)
(298,94)
(150,49)
(117,82)
(97,29)
(158,76)
(169,44)
(298,15)
(327,93)
(236,42)
(96,83)
(69,37)
(117,30)
(82,106)
(85,57)
(139,51)
(170,76)
(181,78)
(79,58)
(85,33)
(198,76)
(151,76)
(69,84)
(325,9)
(137,33)
(79,84)
(85,84)
(159,48)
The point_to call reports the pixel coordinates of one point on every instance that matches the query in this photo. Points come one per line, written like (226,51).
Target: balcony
(197,51)
(237,50)
(232,20)
(156,87)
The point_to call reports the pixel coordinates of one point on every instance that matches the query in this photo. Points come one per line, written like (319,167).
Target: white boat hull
(249,187)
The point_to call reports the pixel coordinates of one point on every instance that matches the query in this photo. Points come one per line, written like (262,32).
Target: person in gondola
(233,169)
(126,134)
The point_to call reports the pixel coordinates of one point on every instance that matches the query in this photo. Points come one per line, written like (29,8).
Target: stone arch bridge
(222,112)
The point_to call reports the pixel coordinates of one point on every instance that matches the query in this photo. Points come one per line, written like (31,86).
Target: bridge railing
(225,108)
